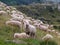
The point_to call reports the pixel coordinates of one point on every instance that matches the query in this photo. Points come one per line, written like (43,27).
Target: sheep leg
(30,34)
(27,33)
(20,26)
(33,35)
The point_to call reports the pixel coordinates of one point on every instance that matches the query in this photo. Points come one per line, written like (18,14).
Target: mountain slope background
(27,2)
(37,11)
(20,2)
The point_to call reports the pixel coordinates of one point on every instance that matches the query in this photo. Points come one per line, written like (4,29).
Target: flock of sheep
(27,24)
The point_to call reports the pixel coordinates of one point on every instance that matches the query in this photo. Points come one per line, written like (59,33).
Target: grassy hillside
(7,32)
(37,11)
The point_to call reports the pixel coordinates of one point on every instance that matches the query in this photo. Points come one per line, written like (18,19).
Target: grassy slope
(6,33)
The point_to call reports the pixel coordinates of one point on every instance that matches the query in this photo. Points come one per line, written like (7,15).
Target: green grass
(6,33)
(48,42)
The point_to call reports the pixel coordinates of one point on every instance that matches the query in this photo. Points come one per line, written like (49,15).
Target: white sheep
(32,19)
(26,21)
(48,30)
(13,12)
(34,22)
(28,18)
(2,12)
(37,25)
(14,23)
(8,11)
(14,15)
(42,27)
(47,37)
(21,35)
(53,31)
(50,26)
(17,16)
(37,21)
(7,7)
(13,19)
(57,33)
(30,29)
(20,13)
